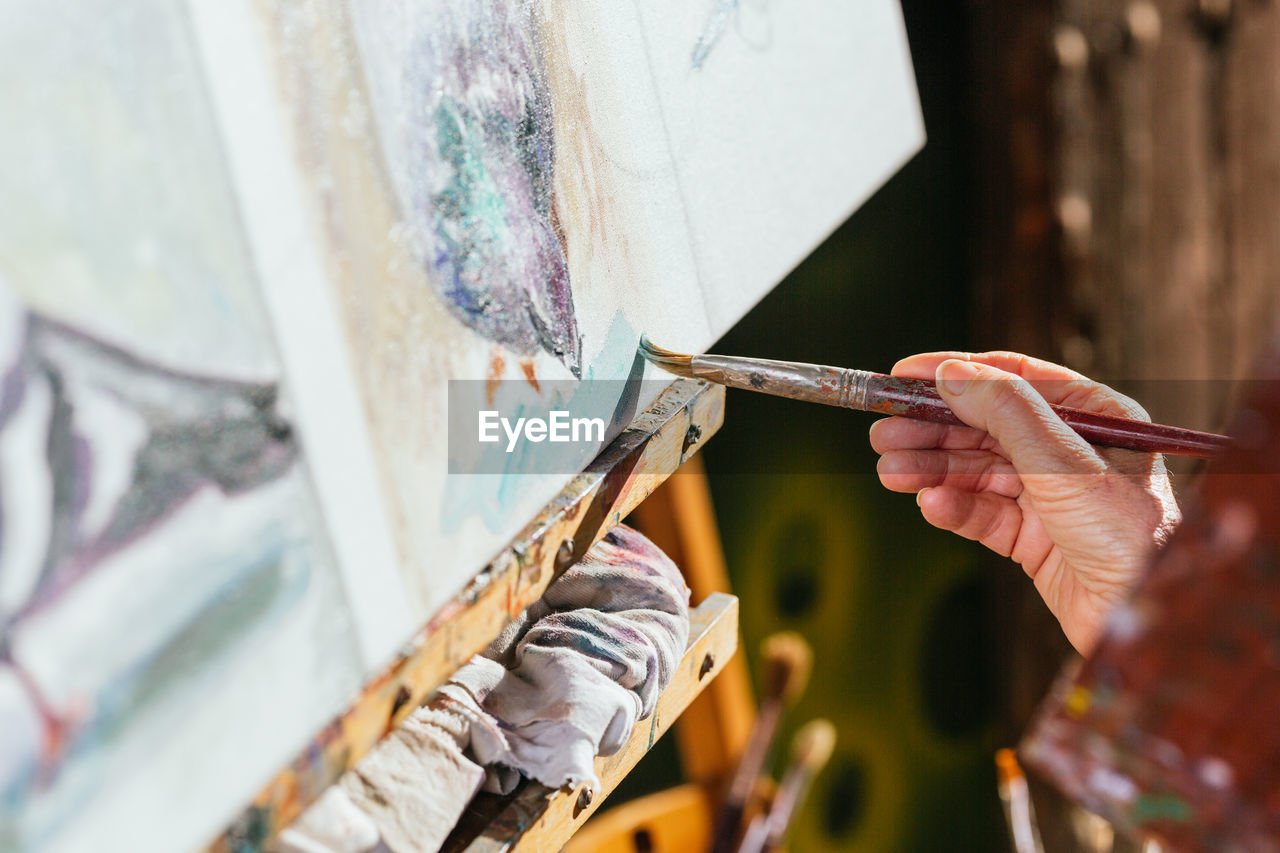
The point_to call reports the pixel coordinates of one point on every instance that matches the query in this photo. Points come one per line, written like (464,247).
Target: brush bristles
(674,362)
(787,662)
(812,746)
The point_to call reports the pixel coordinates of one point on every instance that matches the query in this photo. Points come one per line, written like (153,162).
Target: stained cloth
(565,682)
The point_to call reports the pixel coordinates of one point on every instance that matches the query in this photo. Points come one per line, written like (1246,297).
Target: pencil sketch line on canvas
(749,19)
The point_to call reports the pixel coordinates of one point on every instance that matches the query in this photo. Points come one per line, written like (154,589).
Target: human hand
(1081,521)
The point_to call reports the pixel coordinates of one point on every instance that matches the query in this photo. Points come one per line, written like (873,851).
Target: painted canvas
(515,191)
(246,246)
(164,573)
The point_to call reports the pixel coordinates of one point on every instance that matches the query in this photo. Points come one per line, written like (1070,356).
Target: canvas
(245,247)
(172,619)
(507,190)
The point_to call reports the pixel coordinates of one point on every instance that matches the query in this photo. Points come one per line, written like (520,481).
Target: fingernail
(920,494)
(954,375)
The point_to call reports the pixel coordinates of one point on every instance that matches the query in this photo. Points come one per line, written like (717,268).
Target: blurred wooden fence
(1128,219)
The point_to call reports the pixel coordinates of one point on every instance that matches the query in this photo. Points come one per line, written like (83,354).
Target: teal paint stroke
(1153,807)
(493,497)
(460,94)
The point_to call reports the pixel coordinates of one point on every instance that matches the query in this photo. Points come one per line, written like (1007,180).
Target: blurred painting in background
(164,572)
(245,245)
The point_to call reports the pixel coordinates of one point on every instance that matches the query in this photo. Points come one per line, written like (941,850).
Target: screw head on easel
(564,554)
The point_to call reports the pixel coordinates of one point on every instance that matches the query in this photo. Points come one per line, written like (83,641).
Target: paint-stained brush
(787,660)
(810,751)
(912,398)
(1015,796)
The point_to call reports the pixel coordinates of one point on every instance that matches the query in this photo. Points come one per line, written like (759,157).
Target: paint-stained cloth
(564,683)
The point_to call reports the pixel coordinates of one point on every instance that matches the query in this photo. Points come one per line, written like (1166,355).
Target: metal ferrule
(832,386)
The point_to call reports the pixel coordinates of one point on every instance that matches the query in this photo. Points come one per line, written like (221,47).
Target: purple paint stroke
(465,115)
(199,431)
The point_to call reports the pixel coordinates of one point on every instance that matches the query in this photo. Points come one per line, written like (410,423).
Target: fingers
(973,470)
(1057,384)
(994,520)
(898,433)
(1005,405)
(925,365)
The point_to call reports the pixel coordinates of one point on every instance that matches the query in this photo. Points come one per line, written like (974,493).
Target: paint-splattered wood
(537,818)
(656,443)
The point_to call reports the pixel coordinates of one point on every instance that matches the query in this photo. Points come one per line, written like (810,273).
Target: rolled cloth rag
(565,682)
(599,647)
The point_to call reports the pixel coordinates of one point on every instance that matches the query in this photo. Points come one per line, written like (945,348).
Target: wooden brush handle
(919,399)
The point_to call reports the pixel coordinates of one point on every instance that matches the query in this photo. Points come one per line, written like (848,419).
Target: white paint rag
(562,684)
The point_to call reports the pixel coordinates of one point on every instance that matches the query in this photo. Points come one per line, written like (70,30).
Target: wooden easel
(624,476)
(712,733)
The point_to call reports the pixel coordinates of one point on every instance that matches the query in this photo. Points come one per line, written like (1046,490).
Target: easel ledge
(653,447)
(537,818)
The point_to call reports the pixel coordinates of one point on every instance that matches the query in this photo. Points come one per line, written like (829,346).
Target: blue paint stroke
(492,497)
(713,30)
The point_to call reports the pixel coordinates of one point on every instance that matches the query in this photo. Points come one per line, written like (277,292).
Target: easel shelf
(654,446)
(537,818)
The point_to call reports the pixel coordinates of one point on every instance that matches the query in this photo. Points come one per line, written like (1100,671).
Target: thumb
(1006,406)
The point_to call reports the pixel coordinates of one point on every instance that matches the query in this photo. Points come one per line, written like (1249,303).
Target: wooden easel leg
(680,520)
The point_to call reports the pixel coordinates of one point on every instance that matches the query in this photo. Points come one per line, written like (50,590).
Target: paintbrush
(912,398)
(787,659)
(1015,796)
(810,751)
